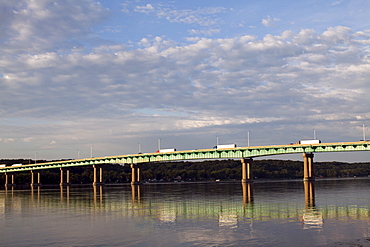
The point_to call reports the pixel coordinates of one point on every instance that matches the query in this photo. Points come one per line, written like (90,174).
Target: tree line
(195,171)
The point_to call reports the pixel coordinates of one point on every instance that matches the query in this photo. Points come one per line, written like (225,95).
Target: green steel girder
(229,153)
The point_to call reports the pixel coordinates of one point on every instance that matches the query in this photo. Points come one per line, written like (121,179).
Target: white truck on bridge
(309,142)
(17,164)
(225,146)
(167,150)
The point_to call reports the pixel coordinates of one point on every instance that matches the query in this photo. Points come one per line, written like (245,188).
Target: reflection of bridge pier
(311,217)
(247,193)
(98,191)
(6,190)
(136,194)
(309,193)
(62,192)
(38,193)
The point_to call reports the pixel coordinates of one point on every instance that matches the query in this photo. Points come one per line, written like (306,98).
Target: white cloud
(270,22)
(28,24)
(258,73)
(145,9)
(337,35)
(77,93)
(207,32)
(7,140)
(336,3)
(205,16)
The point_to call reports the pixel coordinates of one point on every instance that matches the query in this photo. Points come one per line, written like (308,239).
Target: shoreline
(256,181)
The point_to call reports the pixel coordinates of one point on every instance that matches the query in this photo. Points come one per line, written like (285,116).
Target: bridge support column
(308,169)
(136,177)
(67,183)
(96,181)
(7,184)
(247,176)
(33,184)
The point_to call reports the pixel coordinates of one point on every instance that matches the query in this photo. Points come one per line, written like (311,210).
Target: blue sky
(115,74)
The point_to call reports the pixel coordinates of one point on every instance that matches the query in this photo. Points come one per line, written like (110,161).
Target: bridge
(136,161)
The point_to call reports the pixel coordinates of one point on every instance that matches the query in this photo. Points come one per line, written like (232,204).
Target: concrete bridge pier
(96,181)
(7,184)
(247,176)
(308,169)
(33,184)
(67,183)
(136,177)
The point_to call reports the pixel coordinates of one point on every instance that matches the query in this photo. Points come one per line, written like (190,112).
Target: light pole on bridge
(363,132)
(248,138)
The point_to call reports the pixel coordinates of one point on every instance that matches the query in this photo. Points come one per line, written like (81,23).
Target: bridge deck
(227,153)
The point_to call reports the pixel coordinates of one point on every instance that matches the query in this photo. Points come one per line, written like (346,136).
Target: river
(332,212)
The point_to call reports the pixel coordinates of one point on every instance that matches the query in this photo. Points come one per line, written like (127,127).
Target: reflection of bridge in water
(133,203)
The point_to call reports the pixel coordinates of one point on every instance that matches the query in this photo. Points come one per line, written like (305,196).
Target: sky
(86,78)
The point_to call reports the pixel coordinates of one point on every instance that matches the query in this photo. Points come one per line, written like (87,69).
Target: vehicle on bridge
(309,142)
(17,164)
(225,146)
(167,150)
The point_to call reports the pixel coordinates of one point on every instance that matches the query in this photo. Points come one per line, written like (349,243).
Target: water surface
(282,213)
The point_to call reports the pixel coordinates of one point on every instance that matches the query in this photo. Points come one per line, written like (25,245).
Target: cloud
(26,24)
(145,9)
(337,35)
(205,16)
(214,77)
(58,85)
(207,32)
(6,140)
(270,22)
(336,3)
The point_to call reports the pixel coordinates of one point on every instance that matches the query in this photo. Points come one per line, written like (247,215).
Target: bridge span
(136,161)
